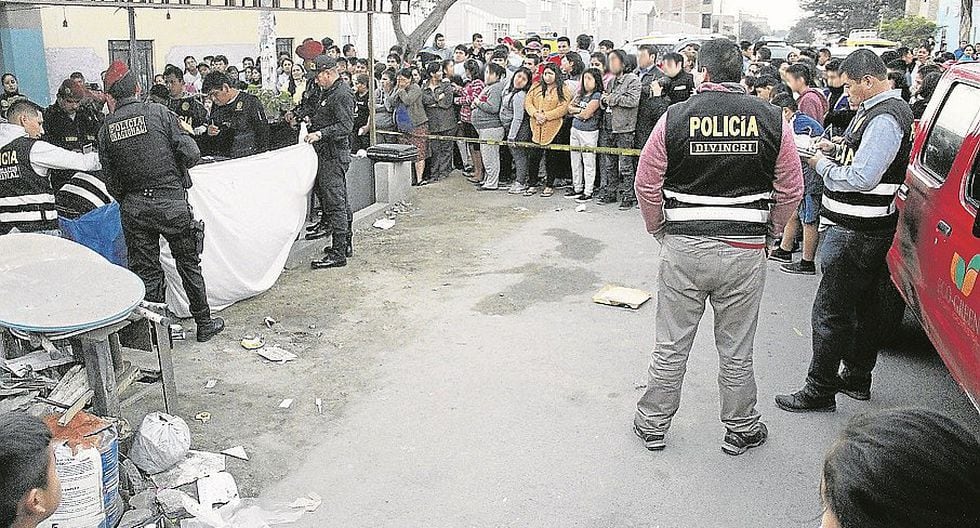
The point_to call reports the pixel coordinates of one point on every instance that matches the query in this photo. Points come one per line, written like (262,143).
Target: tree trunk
(415,41)
(966,20)
(267,47)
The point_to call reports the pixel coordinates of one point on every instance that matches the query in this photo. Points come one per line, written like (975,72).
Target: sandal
(547,192)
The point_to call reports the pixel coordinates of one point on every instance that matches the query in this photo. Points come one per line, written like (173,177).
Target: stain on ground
(574,246)
(540,284)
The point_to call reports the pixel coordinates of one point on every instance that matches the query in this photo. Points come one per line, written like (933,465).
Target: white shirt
(195,80)
(45,156)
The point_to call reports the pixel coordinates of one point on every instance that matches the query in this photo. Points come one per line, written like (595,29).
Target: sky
(782,14)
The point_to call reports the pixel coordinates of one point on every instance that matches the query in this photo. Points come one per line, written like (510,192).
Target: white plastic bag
(162,441)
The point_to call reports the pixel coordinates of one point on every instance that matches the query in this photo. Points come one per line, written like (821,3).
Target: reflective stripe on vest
(28,216)
(28,199)
(716,200)
(878,202)
(734,214)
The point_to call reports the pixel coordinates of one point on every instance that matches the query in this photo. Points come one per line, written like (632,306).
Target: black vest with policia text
(26,200)
(722,150)
(872,210)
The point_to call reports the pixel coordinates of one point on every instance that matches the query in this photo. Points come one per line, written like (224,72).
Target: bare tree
(415,41)
(966,20)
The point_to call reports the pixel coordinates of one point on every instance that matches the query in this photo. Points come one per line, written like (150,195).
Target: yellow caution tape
(521,144)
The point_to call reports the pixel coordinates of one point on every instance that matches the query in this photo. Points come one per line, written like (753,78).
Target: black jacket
(679,89)
(142,146)
(651,108)
(243,128)
(78,134)
(334,119)
(189,110)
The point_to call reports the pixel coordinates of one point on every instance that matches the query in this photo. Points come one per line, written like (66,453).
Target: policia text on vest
(724,127)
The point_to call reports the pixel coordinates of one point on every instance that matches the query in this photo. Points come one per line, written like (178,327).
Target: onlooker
(192,75)
(219,63)
(411,120)
(460,55)
(11,93)
(350,52)
(620,102)
(586,111)
(477,45)
(680,83)
(30,491)
(969,54)
(809,210)
(583,42)
(812,101)
(464,99)
(297,83)
(599,62)
(606,46)
(284,73)
(360,136)
(913,468)
(517,124)
(546,104)
(437,98)
(486,121)
(765,86)
(840,114)
(929,85)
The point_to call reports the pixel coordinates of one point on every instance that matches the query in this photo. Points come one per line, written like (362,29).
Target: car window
(950,128)
(973,184)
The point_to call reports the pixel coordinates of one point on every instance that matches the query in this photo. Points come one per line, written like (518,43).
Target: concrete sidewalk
(510,402)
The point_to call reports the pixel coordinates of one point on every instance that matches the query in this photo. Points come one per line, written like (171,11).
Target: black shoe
(803,267)
(652,441)
(802,401)
(350,249)
(603,200)
(572,194)
(859,392)
(780,255)
(315,227)
(205,331)
(737,443)
(322,232)
(330,261)
(626,205)
(585,198)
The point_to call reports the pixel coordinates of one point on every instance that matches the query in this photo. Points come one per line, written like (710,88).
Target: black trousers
(440,156)
(167,214)
(331,187)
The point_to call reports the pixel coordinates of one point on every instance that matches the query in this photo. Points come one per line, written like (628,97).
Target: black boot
(350,246)
(321,231)
(334,259)
(209,329)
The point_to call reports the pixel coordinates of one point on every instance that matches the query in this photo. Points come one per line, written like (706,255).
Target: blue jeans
(848,309)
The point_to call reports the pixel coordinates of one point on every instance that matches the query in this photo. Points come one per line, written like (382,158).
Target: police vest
(721,162)
(26,200)
(872,210)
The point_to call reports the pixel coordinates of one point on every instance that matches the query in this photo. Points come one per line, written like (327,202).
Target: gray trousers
(693,270)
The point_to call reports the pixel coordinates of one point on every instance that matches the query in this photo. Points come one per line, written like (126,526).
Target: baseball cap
(117,70)
(323,62)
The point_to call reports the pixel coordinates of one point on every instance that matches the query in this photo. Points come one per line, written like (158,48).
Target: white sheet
(253,209)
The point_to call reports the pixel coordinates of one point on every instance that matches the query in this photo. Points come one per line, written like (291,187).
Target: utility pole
(134,55)
(966,20)
(371,81)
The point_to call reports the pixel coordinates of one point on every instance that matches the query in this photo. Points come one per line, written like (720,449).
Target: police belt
(168,193)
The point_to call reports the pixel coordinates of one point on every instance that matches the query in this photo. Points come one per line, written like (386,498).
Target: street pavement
(513,404)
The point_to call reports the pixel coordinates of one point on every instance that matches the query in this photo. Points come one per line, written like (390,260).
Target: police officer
(71,125)
(185,105)
(238,122)
(707,180)
(330,129)
(859,206)
(152,190)
(27,201)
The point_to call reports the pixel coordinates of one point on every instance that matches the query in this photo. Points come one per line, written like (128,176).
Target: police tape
(520,144)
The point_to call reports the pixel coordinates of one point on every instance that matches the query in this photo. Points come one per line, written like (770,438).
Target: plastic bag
(162,441)
(99,230)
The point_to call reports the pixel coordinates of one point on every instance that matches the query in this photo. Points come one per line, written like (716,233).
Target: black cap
(324,62)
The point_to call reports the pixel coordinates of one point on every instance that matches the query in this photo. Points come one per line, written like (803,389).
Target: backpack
(403,121)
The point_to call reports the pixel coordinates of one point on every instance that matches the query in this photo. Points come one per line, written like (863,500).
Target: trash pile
(161,483)
(44,382)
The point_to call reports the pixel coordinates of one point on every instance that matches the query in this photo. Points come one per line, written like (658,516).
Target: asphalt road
(512,405)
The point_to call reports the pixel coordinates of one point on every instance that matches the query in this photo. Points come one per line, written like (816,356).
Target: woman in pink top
(811,101)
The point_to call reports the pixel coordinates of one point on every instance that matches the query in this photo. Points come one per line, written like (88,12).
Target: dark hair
(583,41)
(250,59)
(896,64)
(926,69)
(500,54)
(744,45)
(207,57)
(558,84)
(215,80)
(497,70)
(832,65)
(463,48)
(674,57)
(864,62)
(173,70)
(825,50)
(596,76)
(76,75)
(24,455)
(527,73)
(766,80)
(8,74)
(811,54)
(434,67)
(784,100)
(473,69)
(620,55)
(398,59)
(438,36)
(801,71)
(536,59)
(903,51)
(566,40)
(606,44)
(722,59)
(577,65)
(900,83)
(476,36)
(348,47)
(946,56)
(406,73)
(361,78)
(649,48)
(21,107)
(204,65)
(189,57)
(342,59)
(914,468)
(220,58)
(929,84)
(763,53)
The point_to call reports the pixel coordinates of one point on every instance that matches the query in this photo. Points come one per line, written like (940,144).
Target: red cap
(509,41)
(117,70)
(310,50)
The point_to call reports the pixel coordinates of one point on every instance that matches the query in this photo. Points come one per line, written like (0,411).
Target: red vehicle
(935,258)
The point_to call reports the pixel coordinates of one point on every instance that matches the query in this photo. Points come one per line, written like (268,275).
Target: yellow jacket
(554,112)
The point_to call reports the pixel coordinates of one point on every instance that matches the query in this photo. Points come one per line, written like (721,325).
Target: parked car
(935,257)
(780,48)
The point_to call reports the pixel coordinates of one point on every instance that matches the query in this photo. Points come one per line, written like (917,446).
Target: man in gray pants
(718,177)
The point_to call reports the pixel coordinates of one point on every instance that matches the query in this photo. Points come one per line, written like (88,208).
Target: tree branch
(411,43)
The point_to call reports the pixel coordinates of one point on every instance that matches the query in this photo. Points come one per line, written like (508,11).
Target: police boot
(350,246)
(320,231)
(209,329)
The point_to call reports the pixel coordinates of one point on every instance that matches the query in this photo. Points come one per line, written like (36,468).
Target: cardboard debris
(211,383)
(197,464)
(309,503)
(384,224)
(252,343)
(36,361)
(581,209)
(236,452)
(319,406)
(17,402)
(137,518)
(204,417)
(620,296)
(216,489)
(277,354)
(287,403)
(172,501)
